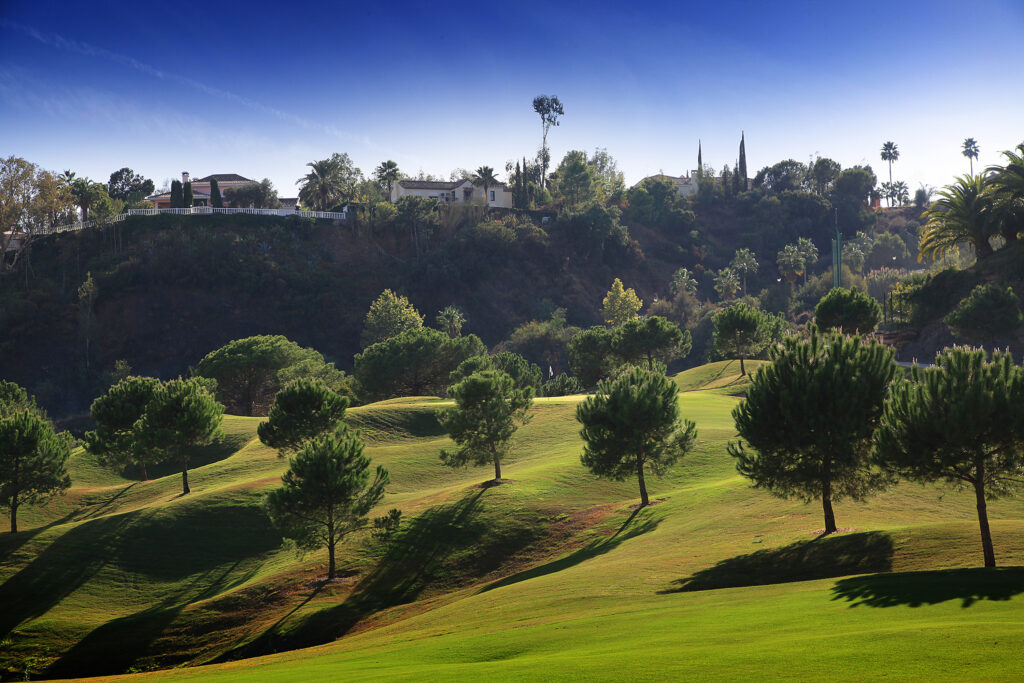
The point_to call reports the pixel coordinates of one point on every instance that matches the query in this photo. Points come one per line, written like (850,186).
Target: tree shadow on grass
(600,546)
(915,589)
(198,456)
(116,645)
(821,558)
(443,545)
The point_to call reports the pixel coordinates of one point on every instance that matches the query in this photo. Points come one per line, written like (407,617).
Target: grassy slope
(551,575)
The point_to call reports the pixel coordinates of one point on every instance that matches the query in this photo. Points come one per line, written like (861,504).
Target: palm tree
(451,319)
(484,177)
(323,187)
(386,174)
(683,280)
(970,150)
(962,213)
(890,153)
(791,262)
(1008,192)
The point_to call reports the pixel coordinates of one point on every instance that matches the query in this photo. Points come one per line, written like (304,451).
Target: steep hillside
(554,573)
(172,288)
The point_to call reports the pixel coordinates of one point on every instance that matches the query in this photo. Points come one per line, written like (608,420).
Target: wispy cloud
(60,42)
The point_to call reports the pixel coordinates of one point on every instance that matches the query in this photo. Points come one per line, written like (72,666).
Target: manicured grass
(552,574)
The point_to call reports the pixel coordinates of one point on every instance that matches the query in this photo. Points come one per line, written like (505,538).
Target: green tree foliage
(177,196)
(32,461)
(216,201)
(250,371)
(886,250)
(987,314)
(683,281)
(611,183)
(823,175)
(591,358)
(741,164)
(186,194)
(1007,185)
(450,319)
(656,203)
(890,153)
(563,385)
(416,362)
(594,233)
(848,310)
(484,177)
(390,314)
(13,398)
(784,176)
(727,283)
(650,339)
(631,425)
(970,150)
(575,181)
(115,413)
(620,305)
(740,331)
(417,215)
(330,183)
(523,372)
(744,263)
(961,422)
(301,411)
(387,174)
(549,109)
(850,194)
(128,186)
(261,195)
(809,252)
(962,213)
(181,414)
(791,263)
(488,410)
(326,493)
(806,424)
(543,342)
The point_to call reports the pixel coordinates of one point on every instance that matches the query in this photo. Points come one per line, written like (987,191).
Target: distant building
(201,189)
(457,191)
(686,185)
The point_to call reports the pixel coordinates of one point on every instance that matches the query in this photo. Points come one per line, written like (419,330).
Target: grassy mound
(553,574)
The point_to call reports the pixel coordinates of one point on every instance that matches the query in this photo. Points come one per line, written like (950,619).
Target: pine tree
(215,199)
(741,170)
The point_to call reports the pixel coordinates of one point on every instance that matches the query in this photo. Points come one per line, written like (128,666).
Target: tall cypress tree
(187,195)
(177,197)
(742,165)
(700,162)
(215,198)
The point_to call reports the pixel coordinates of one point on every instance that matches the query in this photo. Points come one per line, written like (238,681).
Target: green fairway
(553,574)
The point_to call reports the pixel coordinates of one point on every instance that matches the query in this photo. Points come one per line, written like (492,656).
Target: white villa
(457,191)
(686,185)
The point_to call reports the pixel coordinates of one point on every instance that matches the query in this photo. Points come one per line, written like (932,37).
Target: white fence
(196,211)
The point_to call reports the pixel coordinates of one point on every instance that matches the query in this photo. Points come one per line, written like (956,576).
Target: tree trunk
(184,478)
(145,474)
(497,469)
(14,513)
(644,500)
(330,544)
(743,370)
(986,535)
(826,505)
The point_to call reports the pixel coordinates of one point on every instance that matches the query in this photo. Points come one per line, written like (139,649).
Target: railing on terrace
(195,211)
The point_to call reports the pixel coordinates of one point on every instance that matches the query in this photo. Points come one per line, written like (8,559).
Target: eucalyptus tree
(549,109)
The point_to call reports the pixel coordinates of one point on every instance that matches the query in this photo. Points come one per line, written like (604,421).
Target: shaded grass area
(819,558)
(916,589)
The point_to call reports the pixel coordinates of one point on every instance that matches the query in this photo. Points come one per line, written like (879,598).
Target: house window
(492,195)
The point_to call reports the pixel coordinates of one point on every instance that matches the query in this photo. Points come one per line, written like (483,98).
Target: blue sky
(436,86)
